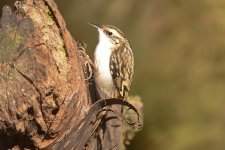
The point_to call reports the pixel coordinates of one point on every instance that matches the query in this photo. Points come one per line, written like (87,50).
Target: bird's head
(111,34)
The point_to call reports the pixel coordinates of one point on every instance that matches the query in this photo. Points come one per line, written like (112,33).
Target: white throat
(102,60)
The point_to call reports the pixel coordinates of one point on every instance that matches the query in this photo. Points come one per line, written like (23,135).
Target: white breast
(103,76)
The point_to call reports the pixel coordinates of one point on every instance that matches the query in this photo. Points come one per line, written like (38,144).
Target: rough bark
(46,101)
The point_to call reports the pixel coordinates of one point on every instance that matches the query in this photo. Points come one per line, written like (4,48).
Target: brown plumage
(121,69)
(114,63)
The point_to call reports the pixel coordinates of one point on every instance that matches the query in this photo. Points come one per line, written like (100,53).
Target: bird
(114,63)
(113,73)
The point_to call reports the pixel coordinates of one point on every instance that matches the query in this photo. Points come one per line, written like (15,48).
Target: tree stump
(47,95)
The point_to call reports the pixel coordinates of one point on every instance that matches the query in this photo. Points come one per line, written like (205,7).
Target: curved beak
(94,25)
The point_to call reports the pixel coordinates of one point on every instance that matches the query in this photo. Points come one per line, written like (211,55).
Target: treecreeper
(114,63)
(114,66)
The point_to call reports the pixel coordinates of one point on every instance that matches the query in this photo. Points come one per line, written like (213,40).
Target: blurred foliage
(179,53)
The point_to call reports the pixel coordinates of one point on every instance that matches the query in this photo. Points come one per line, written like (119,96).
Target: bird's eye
(109,33)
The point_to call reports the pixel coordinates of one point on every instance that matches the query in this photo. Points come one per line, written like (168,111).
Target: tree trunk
(47,90)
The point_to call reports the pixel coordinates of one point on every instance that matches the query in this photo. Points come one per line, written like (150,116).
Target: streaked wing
(121,67)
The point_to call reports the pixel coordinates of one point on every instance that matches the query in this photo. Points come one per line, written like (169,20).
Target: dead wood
(47,95)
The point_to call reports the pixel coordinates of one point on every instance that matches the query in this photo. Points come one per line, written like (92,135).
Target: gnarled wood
(45,99)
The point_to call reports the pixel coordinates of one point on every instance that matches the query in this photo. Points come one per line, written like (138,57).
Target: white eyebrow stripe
(115,33)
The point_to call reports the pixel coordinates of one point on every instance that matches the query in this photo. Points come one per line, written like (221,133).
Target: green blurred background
(179,54)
